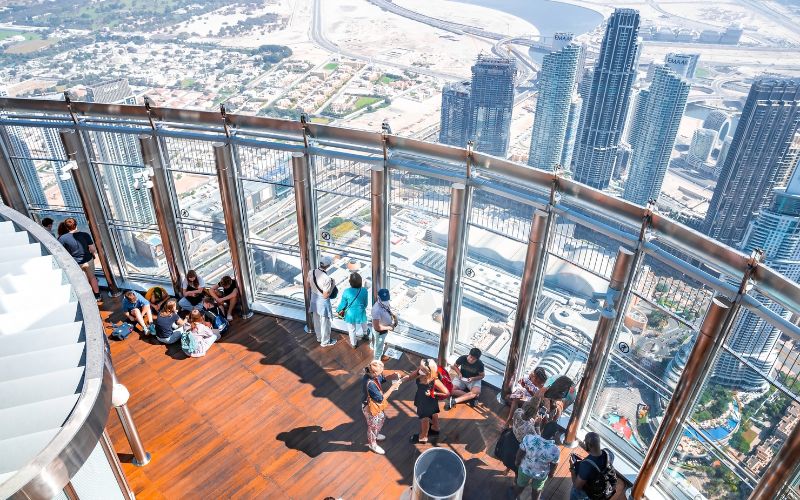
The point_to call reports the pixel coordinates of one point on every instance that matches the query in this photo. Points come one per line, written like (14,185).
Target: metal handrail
(48,473)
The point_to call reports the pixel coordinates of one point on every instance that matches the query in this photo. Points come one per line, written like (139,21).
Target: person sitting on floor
(198,337)
(226,295)
(137,310)
(467,383)
(214,315)
(192,291)
(157,296)
(169,326)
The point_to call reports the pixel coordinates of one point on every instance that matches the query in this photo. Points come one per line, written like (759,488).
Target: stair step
(25,265)
(14,239)
(7,226)
(50,315)
(32,301)
(20,450)
(36,417)
(39,279)
(23,391)
(41,338)
(18,252)
(42,362)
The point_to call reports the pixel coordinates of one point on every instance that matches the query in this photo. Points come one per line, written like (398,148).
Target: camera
(573,461)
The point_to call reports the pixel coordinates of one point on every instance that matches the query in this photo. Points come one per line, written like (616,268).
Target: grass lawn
(29,35)
(187,83)
(701,73)
(386,79)
(330,66)
(322,120)
(363,102)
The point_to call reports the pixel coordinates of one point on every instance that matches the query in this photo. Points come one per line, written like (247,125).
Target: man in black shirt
(81,246)
(226,295)
(588,472)
(467,383)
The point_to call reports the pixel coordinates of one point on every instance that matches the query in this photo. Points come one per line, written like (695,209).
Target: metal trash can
(439,473)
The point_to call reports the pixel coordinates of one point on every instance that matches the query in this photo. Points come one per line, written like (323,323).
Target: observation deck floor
(267,413)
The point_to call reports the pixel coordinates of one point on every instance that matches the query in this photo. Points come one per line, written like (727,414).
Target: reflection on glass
(208,252)
(142,252)
(126,194)
(198,197)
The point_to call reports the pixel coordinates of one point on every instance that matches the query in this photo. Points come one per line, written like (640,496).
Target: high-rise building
(55,150)
(26,169)
(720,122)
(689,61)
(456,112)
(492,103)
(118,151)
(752,168)
(604,110)
(723,153)
(572,131)
(652,147)
(556,87)
(776,231)
(700,149)
(636,111)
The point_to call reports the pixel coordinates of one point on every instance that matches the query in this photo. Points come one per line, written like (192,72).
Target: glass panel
(59,216)
(208,252)
(127,197)
(584,247)
(198,197)
(190,155)
(142,252)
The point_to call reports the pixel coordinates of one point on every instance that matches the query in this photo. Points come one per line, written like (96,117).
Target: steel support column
(600,351)
(714,332)
(92,207)
(306,224)
(234,225)
(529,292)
(460,198)
(165,214)
(380,231)
(116,467)
(10,189)
(119,399)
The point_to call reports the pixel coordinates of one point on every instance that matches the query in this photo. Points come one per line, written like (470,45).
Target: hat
(325,261)
(383,294)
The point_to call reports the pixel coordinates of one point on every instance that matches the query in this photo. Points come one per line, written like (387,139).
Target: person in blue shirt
(137,310)
(353,309)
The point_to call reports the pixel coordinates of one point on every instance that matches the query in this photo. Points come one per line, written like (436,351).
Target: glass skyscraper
(606,105)
(556,87)
(27,169)
(657,126)
(753,165)
(575,108)
(456,112)
(492,103)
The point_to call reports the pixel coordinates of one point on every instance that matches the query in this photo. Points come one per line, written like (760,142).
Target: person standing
(527,388)
(47,223)
(353,309)
(81,246)
(383,321)
(322,287)
(192,291)
(537,460)
(594,476)
(426,399)
(373,403)
(467,385)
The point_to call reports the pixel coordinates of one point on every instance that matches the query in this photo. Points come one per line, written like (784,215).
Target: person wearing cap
(383,321)
(320,308)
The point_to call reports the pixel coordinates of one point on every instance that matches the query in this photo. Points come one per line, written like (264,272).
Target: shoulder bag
(334,289)
(373,407)
(343,311)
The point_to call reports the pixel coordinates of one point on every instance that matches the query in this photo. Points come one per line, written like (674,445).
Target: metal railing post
(380,219)
(165,215)
(116,467)
(529,292)
(714,332)
(457,234)
(119,398)
(600,352)
(233,213)
(10,190)
(93,207)
(305,226)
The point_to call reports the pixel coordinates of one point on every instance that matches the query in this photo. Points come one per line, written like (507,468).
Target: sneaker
(451,402)
(230,318)
(472,402)
(377,449)
(380,437)
(151,329)
(98,297)
(330,343)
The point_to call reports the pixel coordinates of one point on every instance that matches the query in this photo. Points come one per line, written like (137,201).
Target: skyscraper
(118,151)
(689,60)
(572,131)
(720,122)
(55,150)
(776,230)
(700,149)
(455,117)
(556,86)
(650,151)
(604,111)
(752,168)
(492,103)
(26,169)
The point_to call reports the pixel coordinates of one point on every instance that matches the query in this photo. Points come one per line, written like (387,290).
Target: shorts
(524,480)
(463,386)
(88,268)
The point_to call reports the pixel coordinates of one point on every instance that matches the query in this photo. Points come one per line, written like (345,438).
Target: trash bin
(439,473)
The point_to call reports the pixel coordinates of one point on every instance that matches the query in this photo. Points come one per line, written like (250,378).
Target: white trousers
(356,331)
(322,328)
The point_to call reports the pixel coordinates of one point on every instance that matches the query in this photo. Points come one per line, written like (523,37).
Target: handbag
(343,311)
(334,290)
(374,407)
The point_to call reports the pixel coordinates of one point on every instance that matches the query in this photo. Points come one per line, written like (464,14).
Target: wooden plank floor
(267,413)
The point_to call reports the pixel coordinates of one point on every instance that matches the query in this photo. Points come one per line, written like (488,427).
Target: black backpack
(603,484)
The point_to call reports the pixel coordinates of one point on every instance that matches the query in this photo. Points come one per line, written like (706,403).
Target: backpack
(121,331)
(506,449)
(220,323)
(188,342)
(446,381)
(603,485)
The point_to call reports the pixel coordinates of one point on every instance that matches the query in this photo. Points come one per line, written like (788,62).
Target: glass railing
(751,399)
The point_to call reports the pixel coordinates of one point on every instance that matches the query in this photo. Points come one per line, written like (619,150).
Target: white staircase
(42,350)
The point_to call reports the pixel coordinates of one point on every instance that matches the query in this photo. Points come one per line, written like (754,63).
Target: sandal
(416,440)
